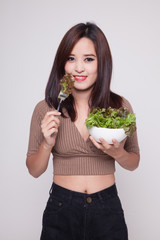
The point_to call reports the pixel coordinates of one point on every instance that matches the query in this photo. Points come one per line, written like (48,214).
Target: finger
(97,145)
(52,131)
(55,113)
(50,119)
(46,121)
(105,144)
(53,119)
(51,113)
(52,124)
(115,143)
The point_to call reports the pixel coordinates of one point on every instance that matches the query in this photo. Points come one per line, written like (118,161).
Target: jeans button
(89,199)
(60,204)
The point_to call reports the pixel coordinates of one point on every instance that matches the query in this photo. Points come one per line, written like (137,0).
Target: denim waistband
(69,194)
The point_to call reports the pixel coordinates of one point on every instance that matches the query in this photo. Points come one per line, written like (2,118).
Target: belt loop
(100,197)
(51,189)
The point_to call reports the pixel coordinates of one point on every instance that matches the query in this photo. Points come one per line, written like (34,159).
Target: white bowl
(107,134)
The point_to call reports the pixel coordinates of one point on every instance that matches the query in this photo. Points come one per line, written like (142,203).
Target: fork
(62,96)
(67,84)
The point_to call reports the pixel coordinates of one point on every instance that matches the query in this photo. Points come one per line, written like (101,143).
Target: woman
(83,201)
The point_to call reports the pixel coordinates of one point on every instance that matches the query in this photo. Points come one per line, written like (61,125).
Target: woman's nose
(79,67)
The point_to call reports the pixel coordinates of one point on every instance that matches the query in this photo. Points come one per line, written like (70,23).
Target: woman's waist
(85,183)
(83,165)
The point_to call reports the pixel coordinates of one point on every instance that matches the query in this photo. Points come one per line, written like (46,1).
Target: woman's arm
(127,160)
(37,162)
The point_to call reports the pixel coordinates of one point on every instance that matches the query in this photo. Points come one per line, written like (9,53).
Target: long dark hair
(101,95)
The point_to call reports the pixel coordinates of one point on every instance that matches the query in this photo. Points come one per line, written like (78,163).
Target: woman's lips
(80,78)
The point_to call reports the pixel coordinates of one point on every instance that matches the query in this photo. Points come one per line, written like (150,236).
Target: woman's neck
(81,99)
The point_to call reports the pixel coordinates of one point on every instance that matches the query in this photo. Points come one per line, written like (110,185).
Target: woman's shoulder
(41,108)
(126,104)
(42,104)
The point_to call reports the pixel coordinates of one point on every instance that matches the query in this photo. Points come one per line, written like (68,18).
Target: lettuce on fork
(67,83)
(112,118)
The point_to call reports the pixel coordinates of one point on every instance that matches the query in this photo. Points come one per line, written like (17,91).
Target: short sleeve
(36,136)
(131,144)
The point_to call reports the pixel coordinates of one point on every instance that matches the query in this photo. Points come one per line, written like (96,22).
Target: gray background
(30,33)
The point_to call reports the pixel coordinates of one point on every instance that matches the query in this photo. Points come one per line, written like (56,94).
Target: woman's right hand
(49,126)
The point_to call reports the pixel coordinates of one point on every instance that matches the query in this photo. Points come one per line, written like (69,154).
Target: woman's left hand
(114,150)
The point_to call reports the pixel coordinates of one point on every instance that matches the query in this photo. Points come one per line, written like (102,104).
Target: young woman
(83,201)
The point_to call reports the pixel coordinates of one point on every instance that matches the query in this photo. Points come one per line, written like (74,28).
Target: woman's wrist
(46,146)
(128,160)
(123,155)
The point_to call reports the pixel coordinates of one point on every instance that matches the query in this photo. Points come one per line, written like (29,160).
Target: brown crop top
(72,155)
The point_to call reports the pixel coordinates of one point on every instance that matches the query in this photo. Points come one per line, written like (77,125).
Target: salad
(67,83)
(112,118)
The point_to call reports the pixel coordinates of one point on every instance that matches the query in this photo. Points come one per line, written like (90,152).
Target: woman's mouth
(80,78)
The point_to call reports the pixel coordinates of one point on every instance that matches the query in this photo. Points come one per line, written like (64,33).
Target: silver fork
(68,80)
(62,96)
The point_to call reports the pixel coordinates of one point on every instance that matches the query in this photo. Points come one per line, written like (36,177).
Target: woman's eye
(70,59)
(89,59)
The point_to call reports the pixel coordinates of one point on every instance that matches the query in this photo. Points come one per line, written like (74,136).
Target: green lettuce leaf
(112,118)
(67,83)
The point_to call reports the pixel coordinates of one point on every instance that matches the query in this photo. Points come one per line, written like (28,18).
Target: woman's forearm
(37,163)
(128,160)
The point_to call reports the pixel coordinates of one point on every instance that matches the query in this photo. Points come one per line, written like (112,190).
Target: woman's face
(82,64)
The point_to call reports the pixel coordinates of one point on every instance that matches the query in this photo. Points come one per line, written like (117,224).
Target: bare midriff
(86,183)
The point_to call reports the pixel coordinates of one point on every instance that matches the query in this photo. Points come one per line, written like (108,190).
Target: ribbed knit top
(72,155)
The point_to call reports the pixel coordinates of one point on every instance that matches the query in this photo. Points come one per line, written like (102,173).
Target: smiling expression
(82,64)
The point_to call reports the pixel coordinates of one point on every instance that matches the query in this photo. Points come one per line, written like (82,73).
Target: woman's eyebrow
(89,55)
(86,55)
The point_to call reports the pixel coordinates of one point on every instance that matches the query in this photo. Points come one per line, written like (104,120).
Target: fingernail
(101,139)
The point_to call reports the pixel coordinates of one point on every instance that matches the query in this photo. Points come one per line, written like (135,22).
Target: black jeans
(73,215)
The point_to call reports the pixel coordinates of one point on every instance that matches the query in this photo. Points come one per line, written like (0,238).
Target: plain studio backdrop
(31,31)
